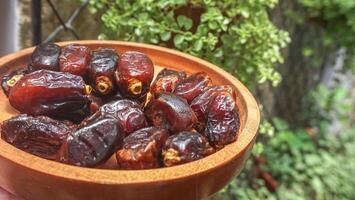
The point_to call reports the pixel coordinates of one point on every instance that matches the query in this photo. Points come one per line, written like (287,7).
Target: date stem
(135,86)
(103,84)
(14,80)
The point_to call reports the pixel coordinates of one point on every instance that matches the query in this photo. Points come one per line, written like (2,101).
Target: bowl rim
(247,136)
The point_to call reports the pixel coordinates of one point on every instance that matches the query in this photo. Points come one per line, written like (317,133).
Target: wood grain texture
(35,178)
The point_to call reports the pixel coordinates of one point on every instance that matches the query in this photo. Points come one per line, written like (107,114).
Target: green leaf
(178,39)
(165,36)
(184,22)
(198,45)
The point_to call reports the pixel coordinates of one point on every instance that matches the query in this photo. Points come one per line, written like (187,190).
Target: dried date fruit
(49,93)
(134,74)
(185,147)
(192,86)
(167,72)
(46,56)
(166,81)
(200,104)
(114,96)
(92,144)
(222,120)
(75,59)
(73,113)
(94,103)
(9,80)
(127,113)
(142,148)
(102,70)
(171,112)
(41,136)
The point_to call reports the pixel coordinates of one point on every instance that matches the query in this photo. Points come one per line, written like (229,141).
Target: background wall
(9,37)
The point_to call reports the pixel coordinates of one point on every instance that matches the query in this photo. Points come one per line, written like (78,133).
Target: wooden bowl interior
(161,57)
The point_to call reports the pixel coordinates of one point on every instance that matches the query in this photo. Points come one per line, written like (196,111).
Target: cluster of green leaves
(324,104)
(235,35)
(337,17)
(320,167)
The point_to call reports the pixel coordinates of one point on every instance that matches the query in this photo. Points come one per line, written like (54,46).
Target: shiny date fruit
(134,74)
(94,103)
(200,104)
(41,136)
(185,147)
(73,113)
(171,112)
(75,59)
(49,93)
(128,114)
(192,86)
(222,120)
(102,70)
(166,81)
(114,96)
(92,144)
(142,149)
(46,56)
(9,80)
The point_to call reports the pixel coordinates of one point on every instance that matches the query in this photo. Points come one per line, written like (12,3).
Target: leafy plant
(337,18)
(236,35)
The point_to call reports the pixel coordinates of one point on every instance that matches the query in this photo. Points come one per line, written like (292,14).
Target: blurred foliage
(236,35)
(337,18)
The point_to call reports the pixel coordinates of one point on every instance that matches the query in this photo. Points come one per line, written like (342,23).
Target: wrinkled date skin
(142,148)
(222,120)
(166,81)
(192,86)
(134,73)
(41,136)
(128,114)
(48,93)
(171,112)
(9,80)
(185,147)
(93,144)
(102,70)
(46,56)
(201,103)
(75,59)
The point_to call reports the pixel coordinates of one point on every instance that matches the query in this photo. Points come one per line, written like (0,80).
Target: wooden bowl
(32,177)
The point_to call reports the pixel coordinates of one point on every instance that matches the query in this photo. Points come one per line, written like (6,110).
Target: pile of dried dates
(81,106)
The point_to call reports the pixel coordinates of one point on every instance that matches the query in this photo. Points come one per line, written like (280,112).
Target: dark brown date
(222,120)
(185,147)
(41,136)
(201,103)
(46,56)
(102,70)
(127,113)
(114,96)
(75,59)
(192,86)
(92,144)
(134,73)
(166,81)
(49,93)
(171,112)
(142,148)
(94,103)
(9,80)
